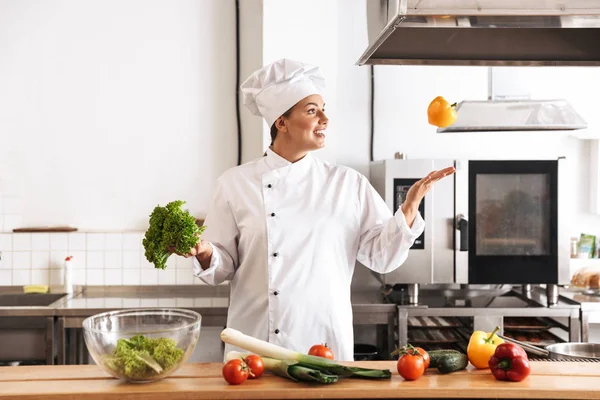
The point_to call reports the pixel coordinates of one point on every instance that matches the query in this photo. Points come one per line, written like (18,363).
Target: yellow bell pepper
(440,113)
(481,348)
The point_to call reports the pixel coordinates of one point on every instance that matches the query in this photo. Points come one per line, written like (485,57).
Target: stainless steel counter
(588,302)
(65,316)
(209,301)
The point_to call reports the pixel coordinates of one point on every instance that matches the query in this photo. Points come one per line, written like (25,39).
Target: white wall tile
(11,221)
(59,241)
(113,259)
(21,277)
(131,303)
(2,229)
(40,259)
(21,260)
(203,302)
(6,260)
(113,302)
(148,302)
(79,276)
(131,259)
(172,260)
(149,277)
(95,260)
(184,263)
(131,276)
(57,258)
(40,241)
(132,241)
(113,277)
(95,277)
(79,259)
(21,241)
(6,241)
(167,277)
(95,241)
(5,277)
(113,241)
(40,276)
(56,277)
(77,241)
(167,302)
(145,264)
(185,276)
(184,302)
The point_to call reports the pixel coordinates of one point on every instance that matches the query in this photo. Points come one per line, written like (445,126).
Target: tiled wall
(98,259)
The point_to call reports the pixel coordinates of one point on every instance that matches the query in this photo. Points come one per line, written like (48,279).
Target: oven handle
(462,225)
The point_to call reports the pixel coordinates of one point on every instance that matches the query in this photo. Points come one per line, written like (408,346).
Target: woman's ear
(280,124)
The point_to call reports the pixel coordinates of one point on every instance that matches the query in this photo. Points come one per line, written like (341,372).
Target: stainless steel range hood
(483,32)
(515,115)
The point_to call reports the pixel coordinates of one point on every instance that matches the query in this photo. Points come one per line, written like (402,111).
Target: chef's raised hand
(415,194)
(201,248)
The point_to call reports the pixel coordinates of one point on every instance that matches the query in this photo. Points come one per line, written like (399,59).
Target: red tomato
(321,350)
(256,364)
(425,355)
(410,366)
(235,372)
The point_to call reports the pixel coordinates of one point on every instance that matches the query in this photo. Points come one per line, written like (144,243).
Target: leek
(329,367)
(288,369)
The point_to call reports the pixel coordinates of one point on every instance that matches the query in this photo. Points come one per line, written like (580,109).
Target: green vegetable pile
(170,226)
(140,357)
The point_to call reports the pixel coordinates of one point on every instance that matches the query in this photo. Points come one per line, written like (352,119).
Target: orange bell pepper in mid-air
(440,113)
(482,347)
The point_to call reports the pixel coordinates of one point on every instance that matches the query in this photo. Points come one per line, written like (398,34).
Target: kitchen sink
(28,299)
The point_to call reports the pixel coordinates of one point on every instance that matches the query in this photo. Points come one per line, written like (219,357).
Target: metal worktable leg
(585,326)
(60,337)
(402,326)
(72,347)
(49,340)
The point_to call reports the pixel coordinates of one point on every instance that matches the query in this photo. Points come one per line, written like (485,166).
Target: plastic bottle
(68,275)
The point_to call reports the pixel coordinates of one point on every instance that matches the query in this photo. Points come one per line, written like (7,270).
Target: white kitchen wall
(109,107)
(307,31)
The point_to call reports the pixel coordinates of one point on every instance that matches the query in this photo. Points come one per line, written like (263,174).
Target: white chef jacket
(287,236)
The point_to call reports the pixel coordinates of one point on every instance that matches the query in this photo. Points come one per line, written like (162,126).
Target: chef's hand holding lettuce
(172,230)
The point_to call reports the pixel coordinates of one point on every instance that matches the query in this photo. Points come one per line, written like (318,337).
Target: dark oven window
(513,229)
(512,214)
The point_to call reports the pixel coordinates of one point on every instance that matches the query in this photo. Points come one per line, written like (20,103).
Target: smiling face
(304,128)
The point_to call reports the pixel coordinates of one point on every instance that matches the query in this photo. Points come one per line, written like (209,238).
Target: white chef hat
(275,88)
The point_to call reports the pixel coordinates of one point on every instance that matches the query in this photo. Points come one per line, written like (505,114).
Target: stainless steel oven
(493,222)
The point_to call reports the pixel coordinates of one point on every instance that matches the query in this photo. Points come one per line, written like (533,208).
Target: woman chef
(287,228)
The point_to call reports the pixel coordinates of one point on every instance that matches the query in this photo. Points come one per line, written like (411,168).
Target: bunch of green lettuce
(170,227)
(140,357)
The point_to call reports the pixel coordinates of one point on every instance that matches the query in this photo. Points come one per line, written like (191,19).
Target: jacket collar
(275,161)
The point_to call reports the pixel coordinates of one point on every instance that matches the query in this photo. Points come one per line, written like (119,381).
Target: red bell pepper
(509,363)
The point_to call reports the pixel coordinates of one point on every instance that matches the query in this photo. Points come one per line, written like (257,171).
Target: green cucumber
(436,355)
(452,362)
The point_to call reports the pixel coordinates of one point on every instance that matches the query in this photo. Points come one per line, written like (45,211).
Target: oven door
(513,222)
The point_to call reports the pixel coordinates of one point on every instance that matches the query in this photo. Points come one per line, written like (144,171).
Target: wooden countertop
(548,380)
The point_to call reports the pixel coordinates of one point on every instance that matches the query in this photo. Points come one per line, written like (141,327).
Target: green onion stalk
(278,353)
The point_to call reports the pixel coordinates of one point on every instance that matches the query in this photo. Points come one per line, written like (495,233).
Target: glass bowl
(142,345)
